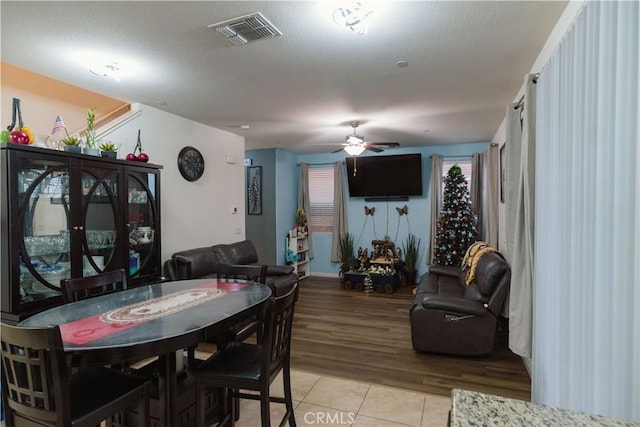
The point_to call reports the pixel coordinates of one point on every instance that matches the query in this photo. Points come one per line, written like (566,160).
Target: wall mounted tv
(385,177)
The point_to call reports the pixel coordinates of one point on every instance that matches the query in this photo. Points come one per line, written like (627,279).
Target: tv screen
(385,176)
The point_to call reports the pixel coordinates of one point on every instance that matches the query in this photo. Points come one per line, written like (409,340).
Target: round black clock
(190,163)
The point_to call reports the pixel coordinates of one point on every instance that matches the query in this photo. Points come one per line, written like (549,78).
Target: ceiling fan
(356,144)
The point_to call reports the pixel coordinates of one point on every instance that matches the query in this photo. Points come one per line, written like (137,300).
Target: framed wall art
(254,190)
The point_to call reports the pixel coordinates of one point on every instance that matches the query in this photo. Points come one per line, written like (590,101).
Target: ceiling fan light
(355,139)
(352,17)
(354,149)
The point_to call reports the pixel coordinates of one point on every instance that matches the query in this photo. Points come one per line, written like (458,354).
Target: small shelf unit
(298,246)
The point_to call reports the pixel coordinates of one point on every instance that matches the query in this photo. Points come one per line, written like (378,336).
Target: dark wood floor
(367,337)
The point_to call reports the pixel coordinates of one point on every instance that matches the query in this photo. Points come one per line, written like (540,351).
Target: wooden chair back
(91,286)
(39,389)
(34,373)
(253,272)
(276,333)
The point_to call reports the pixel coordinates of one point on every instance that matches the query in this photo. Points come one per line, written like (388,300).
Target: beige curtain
(303,200)
(520,211)
(476,191)
(340,226)
(435,189)
(485,187)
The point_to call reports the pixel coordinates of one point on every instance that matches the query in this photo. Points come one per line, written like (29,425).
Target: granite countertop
(470,408)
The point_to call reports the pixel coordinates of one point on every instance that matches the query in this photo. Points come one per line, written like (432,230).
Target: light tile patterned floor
(326,401)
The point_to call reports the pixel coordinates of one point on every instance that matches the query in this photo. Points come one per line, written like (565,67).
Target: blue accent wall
(385,220)
(280,175)
(279,202)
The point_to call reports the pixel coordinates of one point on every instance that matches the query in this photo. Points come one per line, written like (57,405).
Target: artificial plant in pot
(71,144)
(90,135)
(347,258)
(411,249)
(108,149)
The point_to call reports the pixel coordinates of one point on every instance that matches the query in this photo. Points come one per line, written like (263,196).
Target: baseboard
(331,275)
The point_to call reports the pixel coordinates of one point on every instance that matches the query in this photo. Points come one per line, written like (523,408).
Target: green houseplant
(347,258)
(108,149)
(71,144)
(90,135)
(411,249)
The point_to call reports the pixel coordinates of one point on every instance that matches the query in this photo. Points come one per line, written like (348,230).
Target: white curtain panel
(436,202)
(586,338)
(340,226)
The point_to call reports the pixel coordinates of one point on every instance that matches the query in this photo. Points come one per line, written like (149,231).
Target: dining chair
(91,286)
(255,273)
(245,327)
(39,389)
(243,366)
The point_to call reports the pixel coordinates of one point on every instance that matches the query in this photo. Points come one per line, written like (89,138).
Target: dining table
(159,319)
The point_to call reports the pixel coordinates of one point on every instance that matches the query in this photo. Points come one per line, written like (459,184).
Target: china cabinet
(70,215)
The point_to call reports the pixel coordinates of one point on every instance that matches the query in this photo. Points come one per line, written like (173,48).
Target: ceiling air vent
(245,29)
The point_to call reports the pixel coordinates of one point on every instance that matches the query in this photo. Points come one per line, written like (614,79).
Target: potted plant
(90,135)
(71,144)
(108,149)
(411,248)
(347,259)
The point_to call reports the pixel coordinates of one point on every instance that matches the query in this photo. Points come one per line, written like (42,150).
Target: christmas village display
(379,271)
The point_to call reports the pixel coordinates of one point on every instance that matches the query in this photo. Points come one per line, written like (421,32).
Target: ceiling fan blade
(374,149)
(384,144)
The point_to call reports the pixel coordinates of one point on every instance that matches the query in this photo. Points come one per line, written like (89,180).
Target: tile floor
(327,401)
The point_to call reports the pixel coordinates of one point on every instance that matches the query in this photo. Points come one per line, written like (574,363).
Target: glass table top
(149,313)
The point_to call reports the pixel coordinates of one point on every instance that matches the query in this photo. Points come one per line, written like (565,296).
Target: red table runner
(85,330)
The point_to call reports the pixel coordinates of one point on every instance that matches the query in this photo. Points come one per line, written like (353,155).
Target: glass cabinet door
(44,218)
(100,240)
(142,223)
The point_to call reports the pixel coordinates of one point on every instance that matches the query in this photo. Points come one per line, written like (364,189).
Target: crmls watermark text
(329,418)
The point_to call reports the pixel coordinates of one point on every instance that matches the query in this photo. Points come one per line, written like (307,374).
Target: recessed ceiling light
(245,127)
(402,64)
(162,103)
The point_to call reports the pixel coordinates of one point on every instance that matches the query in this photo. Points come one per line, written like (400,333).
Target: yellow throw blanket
(471,258)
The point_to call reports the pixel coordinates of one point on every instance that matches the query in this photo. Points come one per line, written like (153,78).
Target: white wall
(199,213)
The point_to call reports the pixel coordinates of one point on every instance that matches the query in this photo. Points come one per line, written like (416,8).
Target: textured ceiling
(299,91)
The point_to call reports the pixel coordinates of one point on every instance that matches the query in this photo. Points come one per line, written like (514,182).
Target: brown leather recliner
(450,317)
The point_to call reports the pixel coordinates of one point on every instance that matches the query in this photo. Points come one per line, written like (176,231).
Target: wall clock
(190,163)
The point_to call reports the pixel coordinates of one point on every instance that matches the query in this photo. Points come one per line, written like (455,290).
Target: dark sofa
(204,262)
(447,316)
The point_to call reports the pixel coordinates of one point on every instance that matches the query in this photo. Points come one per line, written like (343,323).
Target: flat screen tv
(383,177)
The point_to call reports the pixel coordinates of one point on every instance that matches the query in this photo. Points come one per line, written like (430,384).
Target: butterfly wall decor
(403,210)
(369,211)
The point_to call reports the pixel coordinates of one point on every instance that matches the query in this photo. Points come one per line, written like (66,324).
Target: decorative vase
(109,154)
(91,151)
